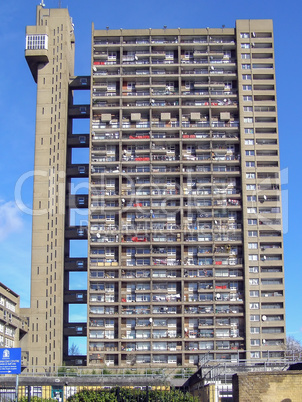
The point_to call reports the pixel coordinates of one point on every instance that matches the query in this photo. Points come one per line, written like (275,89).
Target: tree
(293,348)
(73,350)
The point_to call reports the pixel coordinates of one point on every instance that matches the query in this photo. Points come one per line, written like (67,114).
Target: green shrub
(131,395)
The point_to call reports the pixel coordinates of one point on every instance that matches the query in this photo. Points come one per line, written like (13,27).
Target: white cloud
(10,219)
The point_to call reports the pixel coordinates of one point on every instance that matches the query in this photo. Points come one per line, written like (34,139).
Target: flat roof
(8,289)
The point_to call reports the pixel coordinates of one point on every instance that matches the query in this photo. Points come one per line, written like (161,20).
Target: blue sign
(10,360)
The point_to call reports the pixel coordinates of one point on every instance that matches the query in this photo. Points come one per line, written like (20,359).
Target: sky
(18,97)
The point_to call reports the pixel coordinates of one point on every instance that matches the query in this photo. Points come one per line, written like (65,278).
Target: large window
(36,42)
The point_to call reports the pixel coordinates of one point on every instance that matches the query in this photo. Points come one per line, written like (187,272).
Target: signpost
(10,363)
(10,360)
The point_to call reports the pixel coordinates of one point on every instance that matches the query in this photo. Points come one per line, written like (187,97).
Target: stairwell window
(36,42)
(251,187)
(253,270)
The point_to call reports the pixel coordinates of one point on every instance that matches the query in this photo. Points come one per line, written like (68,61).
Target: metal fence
(117,394)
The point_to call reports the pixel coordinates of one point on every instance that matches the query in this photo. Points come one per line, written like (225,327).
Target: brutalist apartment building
(184,231)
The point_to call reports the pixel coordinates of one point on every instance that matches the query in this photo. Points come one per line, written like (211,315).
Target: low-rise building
(13,326)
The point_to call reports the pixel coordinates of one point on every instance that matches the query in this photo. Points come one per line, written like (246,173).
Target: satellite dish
(98,235)
(264,318)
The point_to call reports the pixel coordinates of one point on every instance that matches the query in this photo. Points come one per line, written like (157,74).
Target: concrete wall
(268,387)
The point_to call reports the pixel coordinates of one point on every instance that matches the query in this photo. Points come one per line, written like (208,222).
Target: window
(273,330)
(271,281)
(247,98)
(252,221)
(245,56)
(9,305)
(250,152)
(255,317)
(254,306)
(169,54)
(246,76)
(253,257)
(248,131)
(262,65)
(250,164)
(251,198)
(111,86)
(246,66)
(246,87)
(251,187)
(252,246)
(255,330)
(255,355)
(244,35)
(252,210)
(248,120)
(255,342)
(254,281)
(111,55)
(254,293)
(250,175)
(245,45)
(253,270)
(252,233)
(248,108)
(36,42)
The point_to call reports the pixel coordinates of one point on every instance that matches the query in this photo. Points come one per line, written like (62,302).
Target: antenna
(42,3)
(59,4)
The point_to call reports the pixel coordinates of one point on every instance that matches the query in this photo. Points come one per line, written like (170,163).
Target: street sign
(10,360)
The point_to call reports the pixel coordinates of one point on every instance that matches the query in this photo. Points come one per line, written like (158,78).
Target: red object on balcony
(138,239)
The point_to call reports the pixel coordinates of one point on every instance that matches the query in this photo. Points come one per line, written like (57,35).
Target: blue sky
(18,95)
